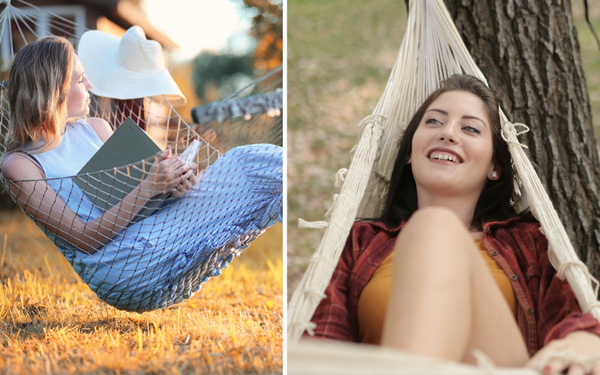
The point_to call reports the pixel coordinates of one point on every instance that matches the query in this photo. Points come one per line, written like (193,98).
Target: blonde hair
(38,86)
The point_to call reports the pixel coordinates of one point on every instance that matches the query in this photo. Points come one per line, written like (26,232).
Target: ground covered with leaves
(51,322)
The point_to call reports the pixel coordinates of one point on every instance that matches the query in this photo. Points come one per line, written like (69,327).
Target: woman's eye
(471,129)
(432,121)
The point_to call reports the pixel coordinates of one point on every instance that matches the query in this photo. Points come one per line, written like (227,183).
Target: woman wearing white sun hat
(165,257)
(130,67)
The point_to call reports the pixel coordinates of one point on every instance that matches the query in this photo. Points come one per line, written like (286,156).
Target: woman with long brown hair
(141,265)
(451,267)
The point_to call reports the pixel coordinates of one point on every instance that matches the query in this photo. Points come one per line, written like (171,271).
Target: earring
(493,175)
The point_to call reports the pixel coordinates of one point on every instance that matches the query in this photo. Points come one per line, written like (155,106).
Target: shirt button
(529,310)
(514,277)
(494,253)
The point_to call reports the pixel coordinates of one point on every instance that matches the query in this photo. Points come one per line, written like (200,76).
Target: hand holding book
(169,173)
(127,146)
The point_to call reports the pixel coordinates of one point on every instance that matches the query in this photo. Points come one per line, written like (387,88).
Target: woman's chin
(79,114)
(444,185)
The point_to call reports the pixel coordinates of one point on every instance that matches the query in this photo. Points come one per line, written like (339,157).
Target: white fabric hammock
(431,51)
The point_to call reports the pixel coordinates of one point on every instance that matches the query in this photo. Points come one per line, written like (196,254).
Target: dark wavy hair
(495,200)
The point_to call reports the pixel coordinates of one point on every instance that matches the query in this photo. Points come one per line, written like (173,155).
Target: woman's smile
(444,155)
(452,147)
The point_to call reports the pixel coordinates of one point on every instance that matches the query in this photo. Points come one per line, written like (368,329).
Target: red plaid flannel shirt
(547,308)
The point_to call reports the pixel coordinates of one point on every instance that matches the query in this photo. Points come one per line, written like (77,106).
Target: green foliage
(224,73)
(216,76)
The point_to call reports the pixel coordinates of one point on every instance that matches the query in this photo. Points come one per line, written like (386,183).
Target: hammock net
(244,120)
(431,51)
(174,245)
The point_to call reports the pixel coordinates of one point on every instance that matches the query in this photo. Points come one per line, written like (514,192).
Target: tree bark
(529,52)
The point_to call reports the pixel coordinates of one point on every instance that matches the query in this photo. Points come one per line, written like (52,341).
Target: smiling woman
(451,241)
(452,151)
(461,118)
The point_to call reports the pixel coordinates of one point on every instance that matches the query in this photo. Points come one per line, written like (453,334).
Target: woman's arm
(31,192)
(101,127)
(331,316)
(562,326)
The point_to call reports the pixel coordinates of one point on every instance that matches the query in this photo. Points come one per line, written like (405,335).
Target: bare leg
(443,299)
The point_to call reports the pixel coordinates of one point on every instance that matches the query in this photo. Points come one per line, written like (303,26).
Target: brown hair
(39,83)
(495,200)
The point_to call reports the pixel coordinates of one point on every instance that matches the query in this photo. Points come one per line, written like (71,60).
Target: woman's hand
(575,347)
(189,180)
(168,173)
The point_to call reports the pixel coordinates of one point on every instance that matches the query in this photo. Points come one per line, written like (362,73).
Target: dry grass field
(51,323)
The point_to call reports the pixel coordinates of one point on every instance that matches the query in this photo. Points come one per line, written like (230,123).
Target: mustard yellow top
(372,303)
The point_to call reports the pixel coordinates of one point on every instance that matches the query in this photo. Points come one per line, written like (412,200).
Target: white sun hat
(127,68)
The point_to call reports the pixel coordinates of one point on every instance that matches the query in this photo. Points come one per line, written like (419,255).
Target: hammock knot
(510,134)
(375,118)
(383,176)
(312,224)
(590,307)
(562,268)
(525,130)
(340,176)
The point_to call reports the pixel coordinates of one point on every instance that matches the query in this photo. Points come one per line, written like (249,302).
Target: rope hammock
(250,119)
(431,51)
(170,251)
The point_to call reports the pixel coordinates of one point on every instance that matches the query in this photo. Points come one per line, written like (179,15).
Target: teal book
(126,147)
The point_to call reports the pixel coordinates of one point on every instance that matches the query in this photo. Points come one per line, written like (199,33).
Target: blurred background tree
(217,76)
(267,29)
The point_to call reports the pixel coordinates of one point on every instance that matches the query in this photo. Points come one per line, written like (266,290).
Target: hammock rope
(168,252)
(431,51)
(250,119)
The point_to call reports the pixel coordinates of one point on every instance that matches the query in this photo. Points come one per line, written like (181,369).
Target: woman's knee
(433,230)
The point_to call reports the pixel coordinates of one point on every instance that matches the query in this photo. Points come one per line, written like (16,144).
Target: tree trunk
(529,52)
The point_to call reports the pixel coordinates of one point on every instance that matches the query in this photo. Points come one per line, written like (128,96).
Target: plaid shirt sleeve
(559,311)
(367,245)
(331,316)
